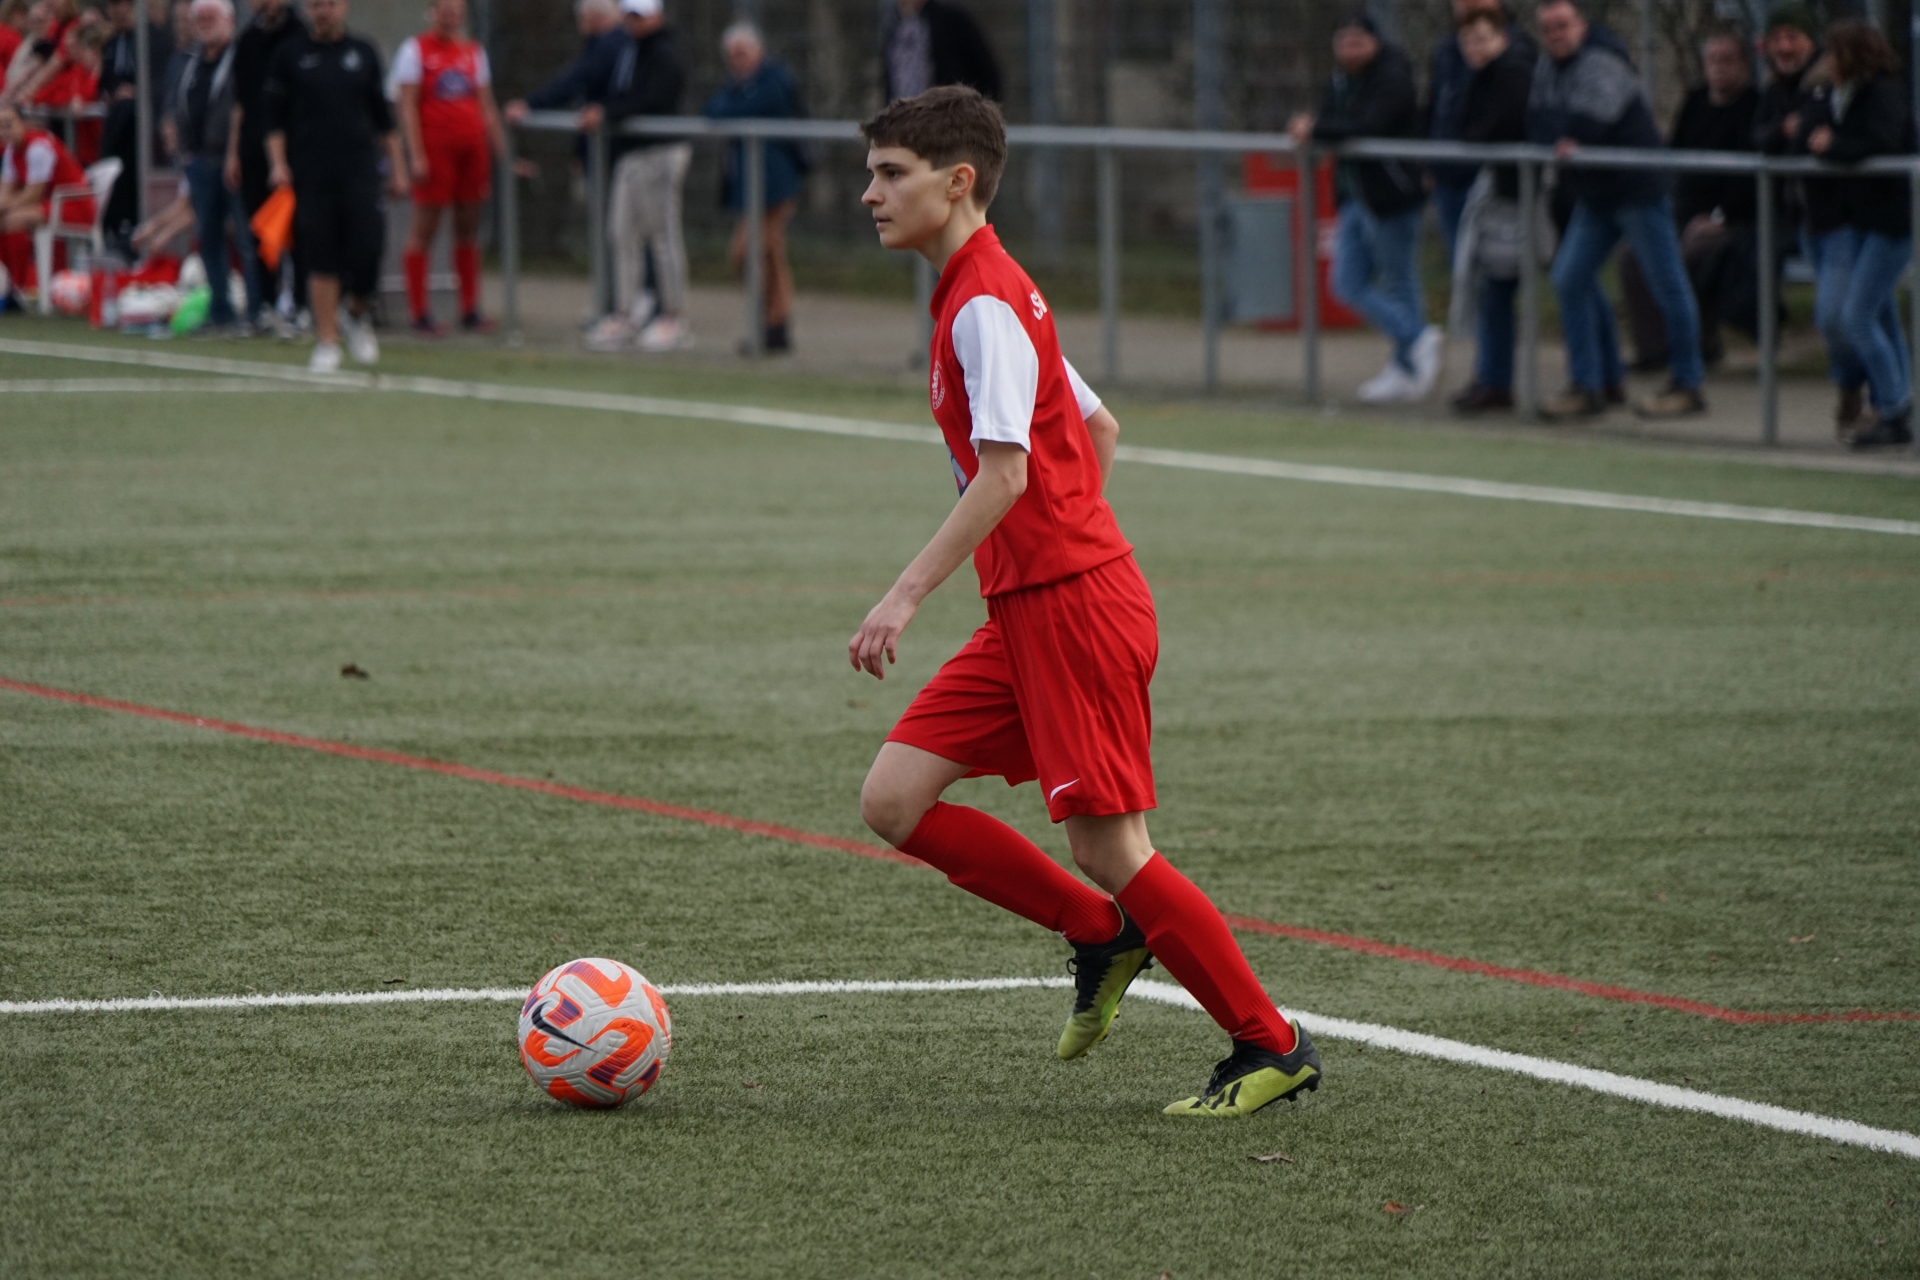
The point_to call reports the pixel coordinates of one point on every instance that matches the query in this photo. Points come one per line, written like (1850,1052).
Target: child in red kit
(453,131)
(1054,686)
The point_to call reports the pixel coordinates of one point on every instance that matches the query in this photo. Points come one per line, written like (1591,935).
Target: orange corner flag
(273,226)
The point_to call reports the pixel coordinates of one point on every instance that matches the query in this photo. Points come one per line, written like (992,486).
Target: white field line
(826,424)
(127,386)
(1649,1092)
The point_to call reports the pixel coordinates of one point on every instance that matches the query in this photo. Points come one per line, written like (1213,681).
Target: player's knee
(888,811)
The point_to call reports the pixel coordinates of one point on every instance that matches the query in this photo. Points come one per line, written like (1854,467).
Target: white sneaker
(325,358)
(644,309)
(362,344)
(668,333)
(1388,386)
(1427,351)
(613,333)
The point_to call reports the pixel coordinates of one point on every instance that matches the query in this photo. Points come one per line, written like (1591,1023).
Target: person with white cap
(649,174)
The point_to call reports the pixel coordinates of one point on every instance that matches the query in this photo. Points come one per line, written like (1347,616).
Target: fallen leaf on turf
(750,1084)
(1798,941)
(1284,1158)
(387,982)
(1399,1210)
(352,671)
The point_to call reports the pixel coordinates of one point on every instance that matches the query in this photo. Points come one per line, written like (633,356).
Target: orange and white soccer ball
(71,292)
(594,1033)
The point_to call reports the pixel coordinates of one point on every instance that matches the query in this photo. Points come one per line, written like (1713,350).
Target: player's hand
(515,111)
(591,117)
(1819,140)
(1564,148)
(1300,128)
(420,168)
(876,643)
(280,175)
(1791,125)
(230,173)
(397,184)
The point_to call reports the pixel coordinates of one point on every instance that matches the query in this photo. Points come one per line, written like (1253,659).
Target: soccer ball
(71,292)
(594,1033)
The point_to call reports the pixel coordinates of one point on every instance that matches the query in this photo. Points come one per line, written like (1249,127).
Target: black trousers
(253,193)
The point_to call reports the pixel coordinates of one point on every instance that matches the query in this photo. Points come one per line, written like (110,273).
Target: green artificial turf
(1670,754)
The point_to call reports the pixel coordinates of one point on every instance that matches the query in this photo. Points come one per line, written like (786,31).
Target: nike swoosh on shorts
(1062,787)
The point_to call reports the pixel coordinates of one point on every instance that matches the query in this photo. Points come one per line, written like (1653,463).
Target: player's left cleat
(1251,1077)
(1102,972)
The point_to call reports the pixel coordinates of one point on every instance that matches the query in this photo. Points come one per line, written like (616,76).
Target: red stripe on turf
(772,831)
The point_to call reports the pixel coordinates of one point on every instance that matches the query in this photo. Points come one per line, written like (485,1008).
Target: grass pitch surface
(1644,751)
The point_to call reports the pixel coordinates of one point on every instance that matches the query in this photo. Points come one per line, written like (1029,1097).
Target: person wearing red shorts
(452,128)
(33,163)
(1054,687)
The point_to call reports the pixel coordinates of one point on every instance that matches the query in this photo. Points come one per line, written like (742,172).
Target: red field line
(792,835)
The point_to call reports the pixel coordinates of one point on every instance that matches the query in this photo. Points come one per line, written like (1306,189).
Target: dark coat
(1496,109)
(1379,101)
(649,79)
(1779,99)
(1877,122)
(1595,99)
(961,54)
(768,94)
(1449,111)
(1702,126)
(586,78)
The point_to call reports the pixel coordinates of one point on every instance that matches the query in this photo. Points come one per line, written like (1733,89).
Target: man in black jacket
(1375,258)
(274,22)
(1586,93)
(649,174)
(1715,213)
(119,74)
(927,43)
(1448,113)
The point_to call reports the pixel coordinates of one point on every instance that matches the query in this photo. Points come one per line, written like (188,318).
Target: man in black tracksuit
(1375,258)
(328,120)
(273,23)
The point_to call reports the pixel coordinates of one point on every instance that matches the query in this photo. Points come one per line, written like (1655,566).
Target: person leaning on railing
(1856,108)
(758,87)
(1375,256)
(202,116)
(1586,93)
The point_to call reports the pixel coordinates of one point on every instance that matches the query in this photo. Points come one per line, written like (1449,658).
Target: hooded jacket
(1378,101)
(1496,109)
(1875,122)
(1451,112)
(1594,98)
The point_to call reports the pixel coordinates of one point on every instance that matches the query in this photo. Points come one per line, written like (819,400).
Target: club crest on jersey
(936,387)
(452,85)
(1039,304)
(351,61)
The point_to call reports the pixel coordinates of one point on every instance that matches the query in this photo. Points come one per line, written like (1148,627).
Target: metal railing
(1107,144)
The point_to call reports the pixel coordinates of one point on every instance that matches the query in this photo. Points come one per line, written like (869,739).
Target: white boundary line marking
(1394,1039)
(825,424)
(128,386)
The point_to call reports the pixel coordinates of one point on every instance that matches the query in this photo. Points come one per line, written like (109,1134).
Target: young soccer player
(1054,686)
(453,131)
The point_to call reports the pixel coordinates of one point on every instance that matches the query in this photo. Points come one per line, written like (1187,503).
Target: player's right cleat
(325,358)
(1102,972)
(427,327)
(1251,1077)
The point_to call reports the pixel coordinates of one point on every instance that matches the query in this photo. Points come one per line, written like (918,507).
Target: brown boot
(1574,402)
(1848,414)
(1674,402)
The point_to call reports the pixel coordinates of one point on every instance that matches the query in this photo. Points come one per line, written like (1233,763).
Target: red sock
(1187,936)
(415,261)
(466,265)
(16,255)
(991,860)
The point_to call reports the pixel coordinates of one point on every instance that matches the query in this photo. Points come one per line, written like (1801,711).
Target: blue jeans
(1856,283)
(1493,330)
(213,204)
(1375,272)
(1448,204)
(1586,317)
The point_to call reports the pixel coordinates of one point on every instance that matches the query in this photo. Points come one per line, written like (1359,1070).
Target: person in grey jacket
(201,115)
(1586,93)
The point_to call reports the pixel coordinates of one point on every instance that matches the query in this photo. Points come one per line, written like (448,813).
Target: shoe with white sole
(1389,386)
(1427,351)
(666,333)
(611,333)
(325,358)
(362,345)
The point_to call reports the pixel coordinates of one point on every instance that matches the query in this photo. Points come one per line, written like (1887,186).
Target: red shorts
(458,171)
(1053,687)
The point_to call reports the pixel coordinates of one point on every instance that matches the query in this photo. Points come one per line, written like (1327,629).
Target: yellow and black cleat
(1102,972)
(1252,1077)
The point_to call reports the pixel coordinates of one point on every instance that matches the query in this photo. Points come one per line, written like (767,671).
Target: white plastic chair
(101,175)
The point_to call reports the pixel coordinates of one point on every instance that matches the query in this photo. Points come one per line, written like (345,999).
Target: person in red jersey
(33,163)
(1054,686)
(453,131)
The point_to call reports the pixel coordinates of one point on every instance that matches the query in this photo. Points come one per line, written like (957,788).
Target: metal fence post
(1913,275)
(510,241)
(1769,312)
(597,220)
(1529,353)
(1107,170)
(1309,278)
(142,111)
(1210,308)
(753,177)
(924,281)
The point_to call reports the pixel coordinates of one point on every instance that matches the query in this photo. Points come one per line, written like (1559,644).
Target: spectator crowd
(292,100)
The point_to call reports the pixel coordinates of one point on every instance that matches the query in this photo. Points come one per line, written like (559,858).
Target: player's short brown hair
(945,126)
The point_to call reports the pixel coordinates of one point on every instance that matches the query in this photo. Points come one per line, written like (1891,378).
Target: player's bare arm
(410,127)
(1105,430)
(998,484)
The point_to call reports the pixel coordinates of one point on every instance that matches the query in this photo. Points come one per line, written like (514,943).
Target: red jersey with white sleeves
(41,159)
(450,74)
(996,373)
